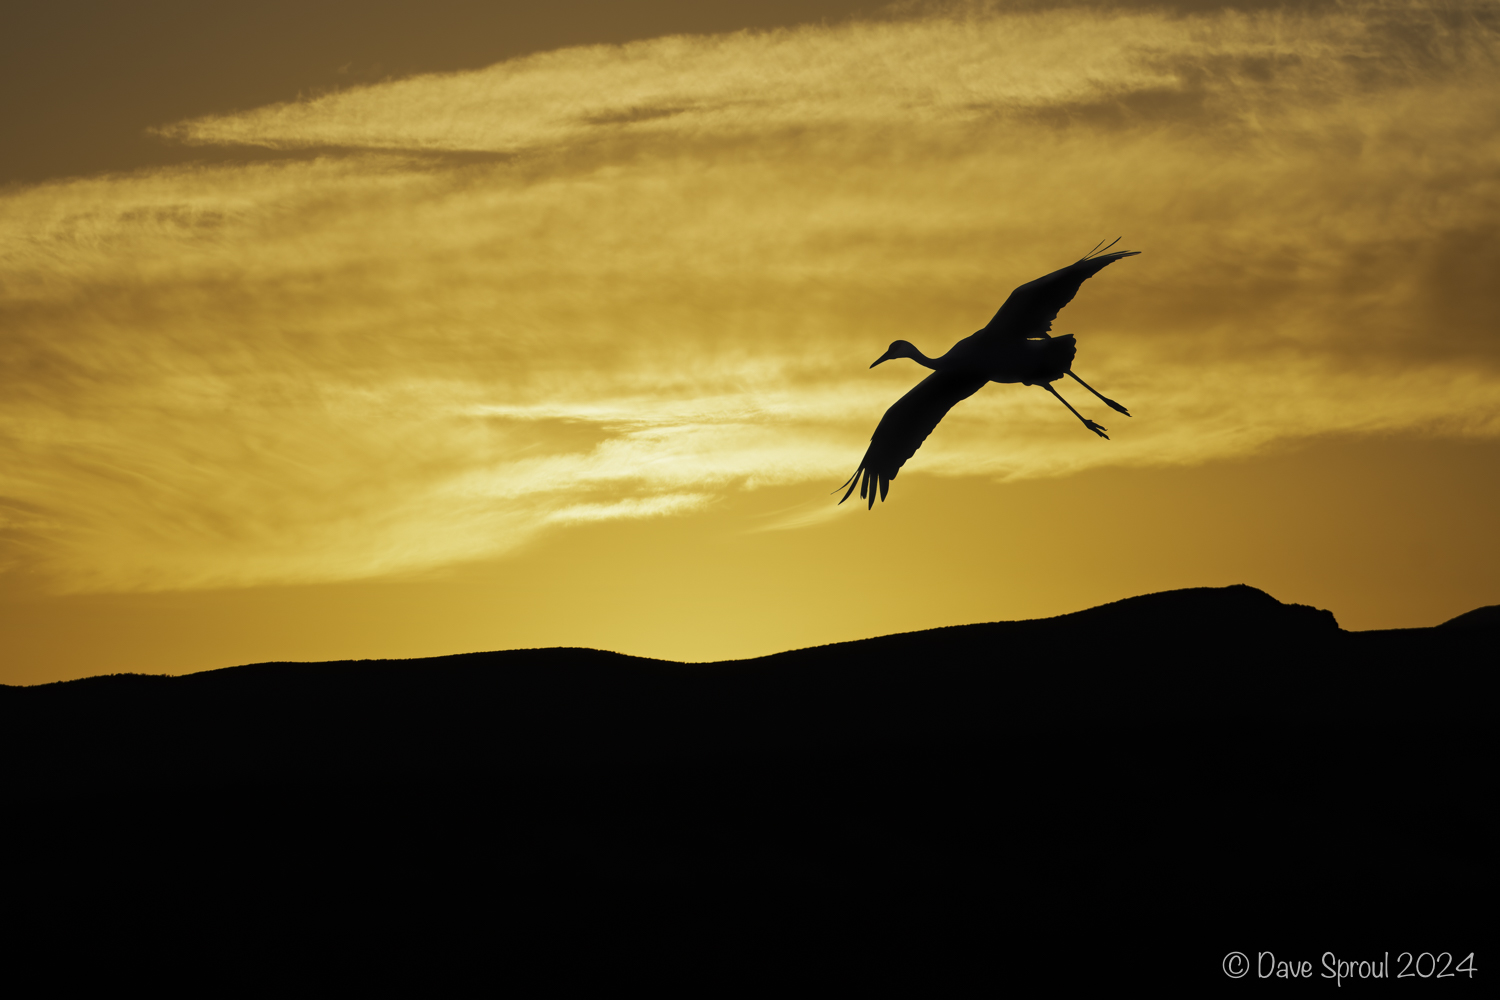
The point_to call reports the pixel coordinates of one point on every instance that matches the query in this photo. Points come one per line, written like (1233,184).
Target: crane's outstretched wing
(1030,310)
(905,426)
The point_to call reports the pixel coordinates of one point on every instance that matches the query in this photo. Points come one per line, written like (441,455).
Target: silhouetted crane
(1014,347)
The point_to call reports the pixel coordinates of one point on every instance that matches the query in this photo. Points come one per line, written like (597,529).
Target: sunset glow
(569,349)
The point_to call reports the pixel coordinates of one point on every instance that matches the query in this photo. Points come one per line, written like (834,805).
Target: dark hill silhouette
(1486,617)
(1189,656)
(1208,752)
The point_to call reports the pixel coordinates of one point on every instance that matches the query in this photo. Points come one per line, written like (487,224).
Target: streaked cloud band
(668,280)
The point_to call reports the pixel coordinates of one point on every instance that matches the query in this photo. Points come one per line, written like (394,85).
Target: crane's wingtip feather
(1100,248)
(850,483)
(869,483)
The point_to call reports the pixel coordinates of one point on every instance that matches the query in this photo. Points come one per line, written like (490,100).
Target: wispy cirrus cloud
(668,280)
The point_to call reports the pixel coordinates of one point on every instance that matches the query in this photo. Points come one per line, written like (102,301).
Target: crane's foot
(1115,406)
(1096,429)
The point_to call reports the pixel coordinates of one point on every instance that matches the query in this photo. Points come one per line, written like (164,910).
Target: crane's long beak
(884,357)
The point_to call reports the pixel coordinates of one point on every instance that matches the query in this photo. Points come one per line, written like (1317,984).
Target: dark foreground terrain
(1126,793)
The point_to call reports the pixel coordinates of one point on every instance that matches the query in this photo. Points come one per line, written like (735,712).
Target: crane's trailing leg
(1112,404)
(1086,422)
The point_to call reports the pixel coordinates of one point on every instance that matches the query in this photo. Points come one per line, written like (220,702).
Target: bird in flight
(1014,347)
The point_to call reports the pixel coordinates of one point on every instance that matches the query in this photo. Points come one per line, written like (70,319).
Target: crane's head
(899,349)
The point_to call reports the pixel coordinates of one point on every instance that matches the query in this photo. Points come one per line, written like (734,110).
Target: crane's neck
(923,359)
(906,349)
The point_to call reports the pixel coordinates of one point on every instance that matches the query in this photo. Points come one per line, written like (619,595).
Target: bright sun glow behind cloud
(619,282)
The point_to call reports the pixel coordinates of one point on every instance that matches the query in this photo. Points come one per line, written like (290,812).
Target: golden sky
(557,332)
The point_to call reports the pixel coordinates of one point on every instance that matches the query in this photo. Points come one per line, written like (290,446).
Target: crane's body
(1029,362)
(1015,347)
